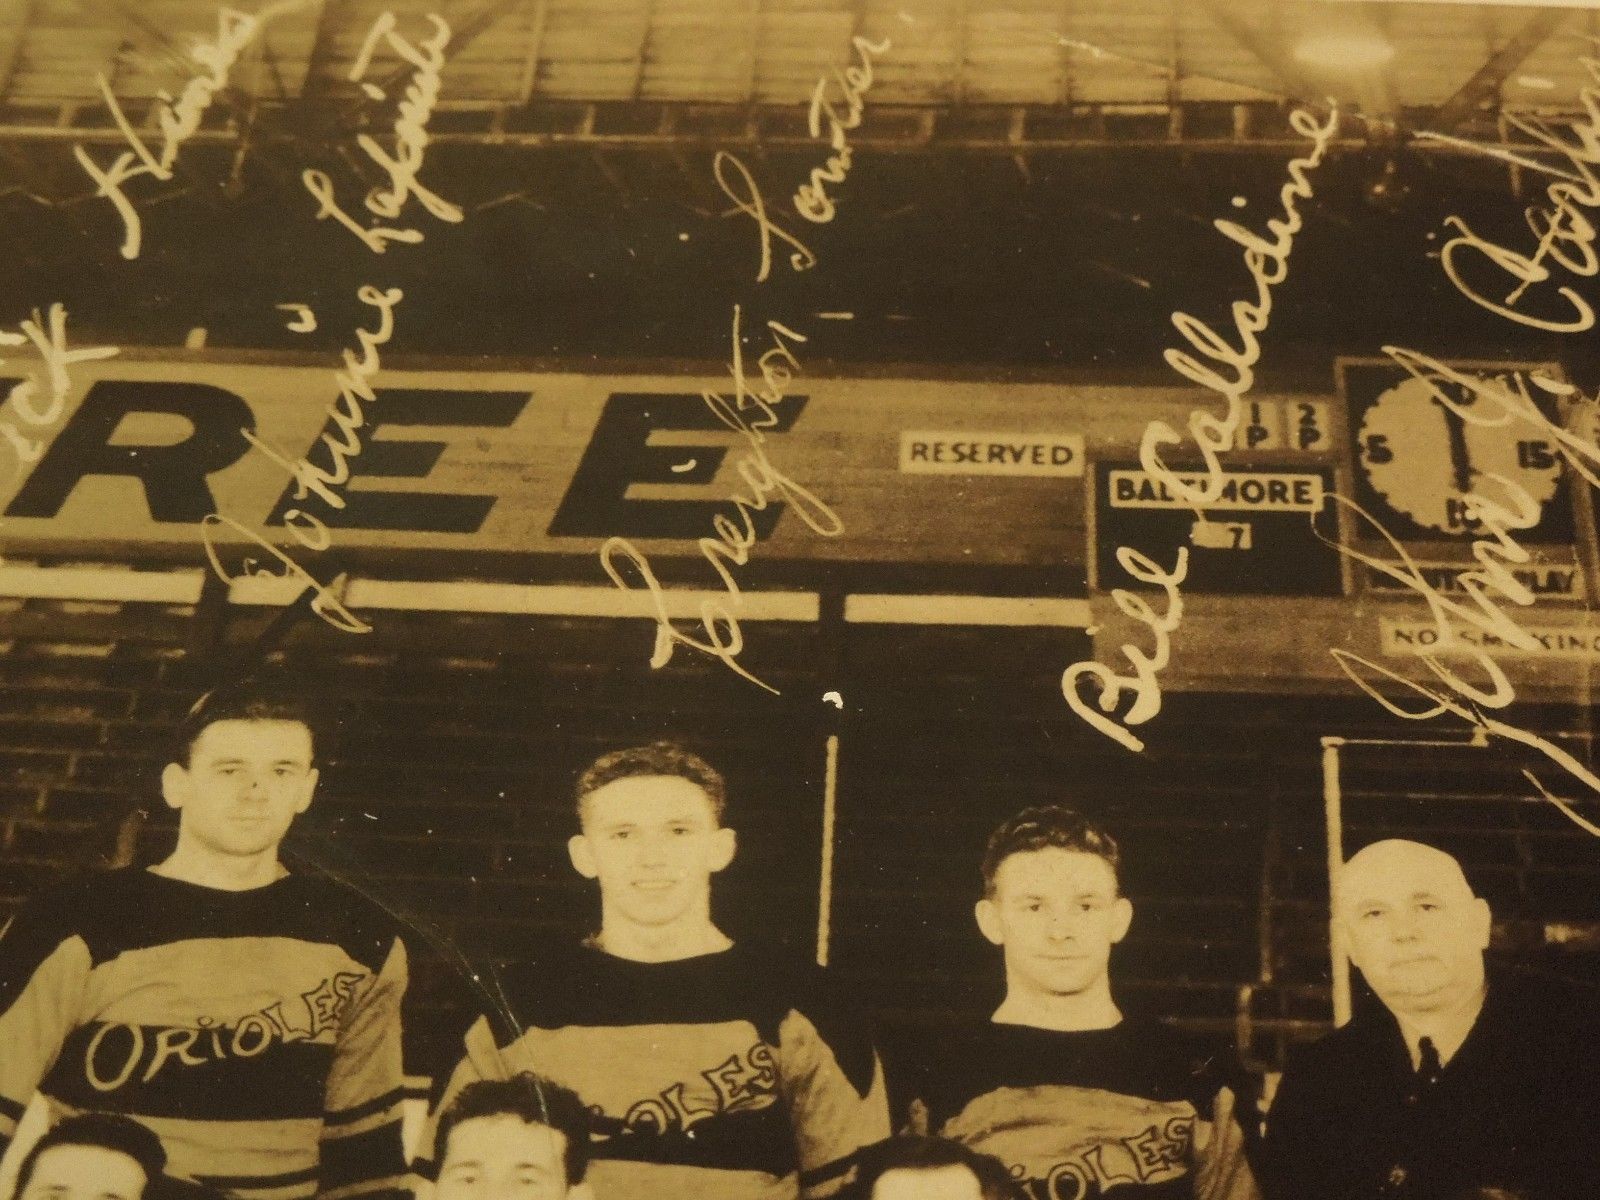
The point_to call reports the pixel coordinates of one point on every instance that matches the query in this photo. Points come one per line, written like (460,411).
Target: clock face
(1423,459)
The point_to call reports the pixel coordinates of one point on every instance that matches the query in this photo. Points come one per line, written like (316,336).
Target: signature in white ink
(1144,685)
(1268,264)
(324,601)
(177,119)
(349,415)
(304,320)
(1565,234)
(48,335)
(738,185)
(747,413)
(1459,696)
(1494,401)
(410,136)
(811,199)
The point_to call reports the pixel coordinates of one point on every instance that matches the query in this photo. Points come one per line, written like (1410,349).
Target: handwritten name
(410,136)
(349,416)
(1494,401)
(748,413)
(177,119)
(1565,234)
(48,336)
(811,199)
(1268,264)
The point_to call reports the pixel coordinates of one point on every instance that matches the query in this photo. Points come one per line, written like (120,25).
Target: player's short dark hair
(916,1152)
(1049,825)
(109,1131)
(258,698)
(657,758)
(533,1099)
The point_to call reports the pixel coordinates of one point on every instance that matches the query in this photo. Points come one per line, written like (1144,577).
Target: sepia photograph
(799,600)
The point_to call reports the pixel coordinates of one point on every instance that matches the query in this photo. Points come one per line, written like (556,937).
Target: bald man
(1457,1078)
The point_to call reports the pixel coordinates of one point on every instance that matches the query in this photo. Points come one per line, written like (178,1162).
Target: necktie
(1428,1065)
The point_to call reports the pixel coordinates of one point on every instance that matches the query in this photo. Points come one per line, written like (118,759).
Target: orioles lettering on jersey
(740,1082)
(1158,1153)
(119,1049)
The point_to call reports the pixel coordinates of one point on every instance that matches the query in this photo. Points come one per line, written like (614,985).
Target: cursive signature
(349,416)
(1144,685)
(1492,401)
(1268,264)
(177,119)
(1565,234)
(748,413)
(47,334)
(811,199)
(738,185)
(324,599)
(410,136)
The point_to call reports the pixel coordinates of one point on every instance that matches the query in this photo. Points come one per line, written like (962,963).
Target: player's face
(653,842)
(939,1183)
(84,1173)
(1057,914)
(503,1158)
(1415,929)
(245,783)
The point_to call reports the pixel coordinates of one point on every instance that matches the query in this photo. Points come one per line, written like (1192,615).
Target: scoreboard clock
(1416,459)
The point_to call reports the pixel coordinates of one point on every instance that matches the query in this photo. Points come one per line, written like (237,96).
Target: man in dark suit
(1457,1079)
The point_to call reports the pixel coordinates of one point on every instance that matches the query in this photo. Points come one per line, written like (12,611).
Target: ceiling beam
(1483,88)
(1267,50)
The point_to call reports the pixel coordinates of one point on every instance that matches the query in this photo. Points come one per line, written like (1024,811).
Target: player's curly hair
(1043,827)
(657,758)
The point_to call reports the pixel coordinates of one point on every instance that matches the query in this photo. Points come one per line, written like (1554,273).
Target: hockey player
(249,1016)
(716,1071)
(523,1138)
(912,1167)
(1076,1099)
(95,1156)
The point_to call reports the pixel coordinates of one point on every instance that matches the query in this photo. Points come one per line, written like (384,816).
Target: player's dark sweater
(725,1076)
(257,1032)
(1136,1111)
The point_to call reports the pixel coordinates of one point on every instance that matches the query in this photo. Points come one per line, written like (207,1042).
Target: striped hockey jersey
(726,1076)
(257,1032)
(1134,1112)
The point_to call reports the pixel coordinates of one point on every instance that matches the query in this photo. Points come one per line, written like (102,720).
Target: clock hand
(1460,456)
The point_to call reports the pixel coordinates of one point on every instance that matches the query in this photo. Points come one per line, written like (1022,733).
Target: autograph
(1268,264)
(1565,235)
(48,334)
(1493,402)
(348,414)
(811,200)
(308,529)
(410,135)
(177,119)
(747,199)
(735,534)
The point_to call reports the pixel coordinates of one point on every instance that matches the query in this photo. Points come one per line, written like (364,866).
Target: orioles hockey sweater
(720,1077)
(256,1032)
(1134,1112)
